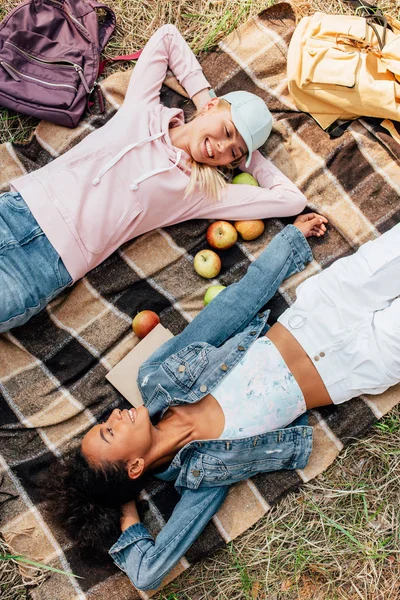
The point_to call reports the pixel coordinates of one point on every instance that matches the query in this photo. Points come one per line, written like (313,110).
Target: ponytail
(208,179)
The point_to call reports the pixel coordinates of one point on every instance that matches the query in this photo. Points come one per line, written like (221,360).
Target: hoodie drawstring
(134,185)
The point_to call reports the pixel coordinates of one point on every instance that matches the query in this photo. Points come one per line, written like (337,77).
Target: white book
(123,376)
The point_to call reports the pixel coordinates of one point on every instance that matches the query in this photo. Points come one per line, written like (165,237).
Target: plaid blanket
(52,370)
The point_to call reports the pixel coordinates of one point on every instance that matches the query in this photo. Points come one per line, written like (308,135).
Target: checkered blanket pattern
(52,370)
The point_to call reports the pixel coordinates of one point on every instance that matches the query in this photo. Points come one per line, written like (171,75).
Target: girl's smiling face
(125,436)
(214,139)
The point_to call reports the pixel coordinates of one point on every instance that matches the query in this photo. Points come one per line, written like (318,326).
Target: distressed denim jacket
(184,370)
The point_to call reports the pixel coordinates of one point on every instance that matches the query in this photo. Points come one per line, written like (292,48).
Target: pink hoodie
(126,178)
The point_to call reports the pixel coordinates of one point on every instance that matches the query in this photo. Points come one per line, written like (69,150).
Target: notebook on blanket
(53,384)
(123,376)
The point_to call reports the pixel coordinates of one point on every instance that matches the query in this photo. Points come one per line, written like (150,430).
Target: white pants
(347,318)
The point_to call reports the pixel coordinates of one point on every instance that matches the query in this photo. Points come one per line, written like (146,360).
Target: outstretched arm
(286,254)
(277,196)
(166,49)
(146,560)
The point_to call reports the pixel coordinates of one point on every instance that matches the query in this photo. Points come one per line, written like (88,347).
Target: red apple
(207,264)
(144,322)
(221,235)
(250,230)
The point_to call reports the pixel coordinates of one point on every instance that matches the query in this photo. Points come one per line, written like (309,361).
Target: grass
(246,580)
(12,585)
(13,582)
(339,537)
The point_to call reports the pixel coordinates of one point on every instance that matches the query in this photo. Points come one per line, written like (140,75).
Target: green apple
(211,292)
(207,264)
(245,178)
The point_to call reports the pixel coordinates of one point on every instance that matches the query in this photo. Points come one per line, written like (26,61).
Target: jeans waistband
(313,334)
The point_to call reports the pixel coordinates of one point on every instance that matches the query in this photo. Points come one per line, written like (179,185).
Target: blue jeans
(31,271)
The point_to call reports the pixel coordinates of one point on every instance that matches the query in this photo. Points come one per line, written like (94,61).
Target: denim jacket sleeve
(286,254)
(145,560)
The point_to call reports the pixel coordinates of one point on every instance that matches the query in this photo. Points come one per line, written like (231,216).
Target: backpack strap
(107,27)
(103,63)
(371,13)
(337,129)
(363,5)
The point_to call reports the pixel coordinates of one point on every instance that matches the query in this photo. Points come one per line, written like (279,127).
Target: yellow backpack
(342,67)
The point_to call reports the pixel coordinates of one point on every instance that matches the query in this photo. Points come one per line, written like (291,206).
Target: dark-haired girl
(220,399)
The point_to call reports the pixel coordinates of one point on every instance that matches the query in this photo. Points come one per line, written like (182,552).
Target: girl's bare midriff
(300,365)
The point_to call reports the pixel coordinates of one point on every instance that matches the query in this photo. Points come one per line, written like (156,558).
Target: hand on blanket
(129,515)
(311,224)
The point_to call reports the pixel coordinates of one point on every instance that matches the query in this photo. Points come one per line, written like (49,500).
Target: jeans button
(181,368)
(203,388)
(224,367)
(241,348)
(195,472)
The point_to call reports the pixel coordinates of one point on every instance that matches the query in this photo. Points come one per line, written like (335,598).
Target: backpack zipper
(66,63)
(14,74)
(10,71)
(88,37)
(72,18)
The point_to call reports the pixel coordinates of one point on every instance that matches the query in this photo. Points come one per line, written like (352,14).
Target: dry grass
(391,7)
(338,538)
(11,583)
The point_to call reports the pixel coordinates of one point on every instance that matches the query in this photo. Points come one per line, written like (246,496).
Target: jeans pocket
(15,201)
(40,276)
(64,278)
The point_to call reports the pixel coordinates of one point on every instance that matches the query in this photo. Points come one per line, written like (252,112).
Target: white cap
(251,118)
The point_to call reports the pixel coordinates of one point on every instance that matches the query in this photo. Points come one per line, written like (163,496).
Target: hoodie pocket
(102,213)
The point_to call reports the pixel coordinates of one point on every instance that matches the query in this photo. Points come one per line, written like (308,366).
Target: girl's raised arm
(146,560)
(287,253)
(166,49)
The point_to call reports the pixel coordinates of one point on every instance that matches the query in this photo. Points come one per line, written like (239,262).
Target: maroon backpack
(49,57)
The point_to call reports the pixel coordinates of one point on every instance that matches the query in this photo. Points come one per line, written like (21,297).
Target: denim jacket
(184,370)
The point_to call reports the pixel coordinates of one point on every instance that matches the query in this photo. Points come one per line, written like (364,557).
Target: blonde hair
(210,180)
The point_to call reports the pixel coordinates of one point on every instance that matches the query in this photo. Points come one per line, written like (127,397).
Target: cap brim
(244,132)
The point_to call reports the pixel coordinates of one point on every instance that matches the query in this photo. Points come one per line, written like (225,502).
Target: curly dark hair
(86,500)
